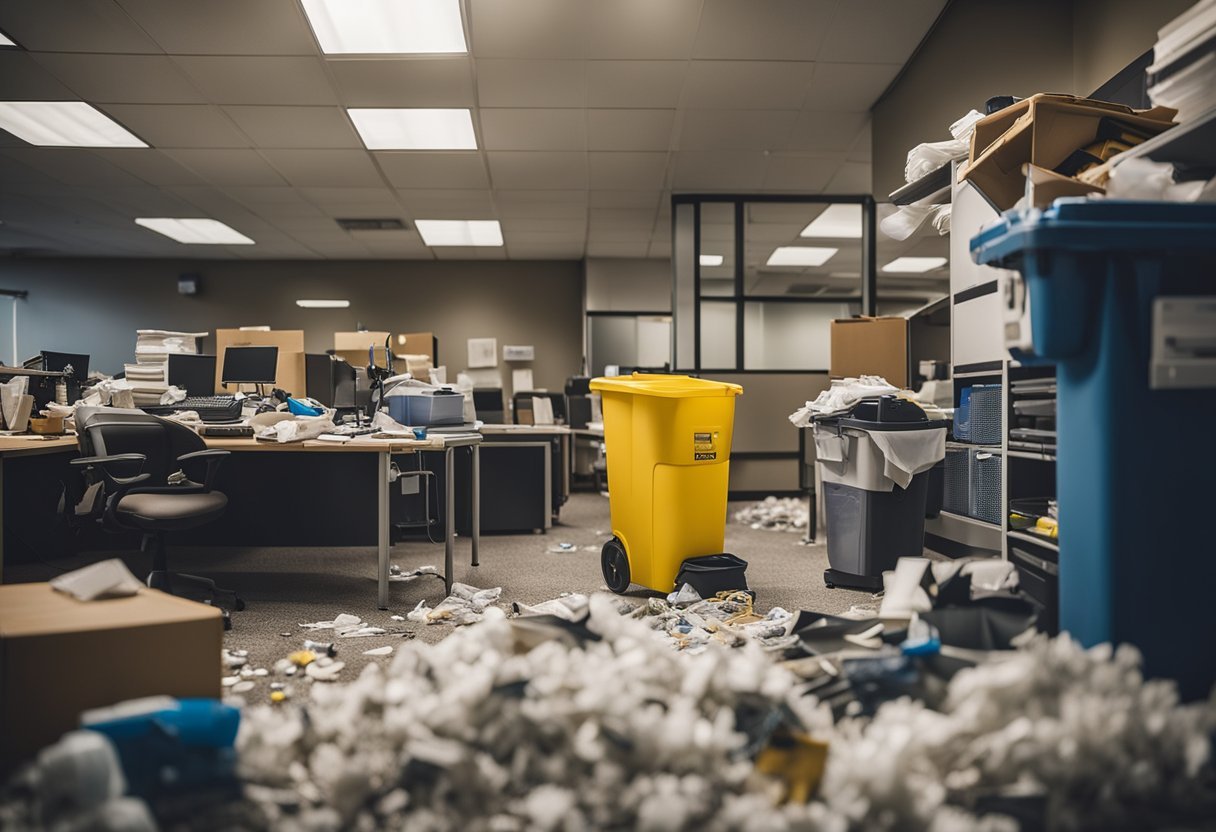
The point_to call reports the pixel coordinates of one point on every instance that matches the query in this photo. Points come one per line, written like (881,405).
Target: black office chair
(136,478)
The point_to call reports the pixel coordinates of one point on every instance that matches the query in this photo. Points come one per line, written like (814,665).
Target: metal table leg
(449,516)
(382,537)
(476,478)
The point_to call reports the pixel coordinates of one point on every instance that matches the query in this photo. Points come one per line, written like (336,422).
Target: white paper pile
(784,514)
(465,605)
(840,397)
(1183,73)
(473,734)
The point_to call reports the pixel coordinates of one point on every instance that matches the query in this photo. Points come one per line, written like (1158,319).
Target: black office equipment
(193,373)
(136,459)
(523,406)
(74,366)
(330,380)
(489,404)
(250,365)
(212,409)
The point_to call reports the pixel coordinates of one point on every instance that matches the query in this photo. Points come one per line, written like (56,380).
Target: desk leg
(449,516)
(476,502)
(382,534)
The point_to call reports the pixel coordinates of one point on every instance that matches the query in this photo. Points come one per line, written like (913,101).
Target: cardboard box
(872,347)
(419,343)
(1043,130)
(289,372)
(60,656)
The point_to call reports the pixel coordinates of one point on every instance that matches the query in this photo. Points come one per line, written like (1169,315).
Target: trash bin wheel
(827,579)
(615,564)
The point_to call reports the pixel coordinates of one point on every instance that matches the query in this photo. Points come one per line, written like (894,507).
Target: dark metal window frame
(869,269)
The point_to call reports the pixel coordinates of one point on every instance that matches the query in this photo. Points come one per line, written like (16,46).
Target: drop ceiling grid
(235,99)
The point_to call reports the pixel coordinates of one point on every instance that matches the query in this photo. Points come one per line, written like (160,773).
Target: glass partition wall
(758,279)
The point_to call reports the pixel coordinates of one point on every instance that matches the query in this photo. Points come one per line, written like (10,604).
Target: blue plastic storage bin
(978,418)
(443,407)
(1134,463)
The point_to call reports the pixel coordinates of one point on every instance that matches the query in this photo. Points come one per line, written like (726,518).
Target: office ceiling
(589,114)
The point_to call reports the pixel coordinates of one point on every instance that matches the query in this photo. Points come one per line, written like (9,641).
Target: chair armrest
(116,484)
(212,456)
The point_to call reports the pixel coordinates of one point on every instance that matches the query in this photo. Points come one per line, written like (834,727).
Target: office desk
(384,449)
(558,436)
(26,446)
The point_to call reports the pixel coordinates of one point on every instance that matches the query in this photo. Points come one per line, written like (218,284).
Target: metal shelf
(1038,457)
(927,185)
(971,521)
(1035,539)
(979,374)
(972,446)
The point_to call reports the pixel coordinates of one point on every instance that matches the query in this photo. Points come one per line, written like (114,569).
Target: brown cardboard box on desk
(60,656)
(871,347)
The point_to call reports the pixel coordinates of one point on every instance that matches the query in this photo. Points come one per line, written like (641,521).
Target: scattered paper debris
(395,573)
(105,579)
(324,670)
(387,650)
(465,605)
(784,514)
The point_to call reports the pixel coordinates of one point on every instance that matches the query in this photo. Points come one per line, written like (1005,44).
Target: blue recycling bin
(1135,475)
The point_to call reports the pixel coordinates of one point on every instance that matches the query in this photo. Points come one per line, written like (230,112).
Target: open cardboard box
(872,347)
(1043,131)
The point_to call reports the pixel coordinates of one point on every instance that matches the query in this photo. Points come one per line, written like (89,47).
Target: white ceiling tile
(527,28)
(414,169)
(635,83)
(790,172)
(178,125)
(373,210)
(146,202)
(628,171)
(296,127)
(533,129)
(747,85)
(337,197)
(74,166)
(531,83)
(152,166)
(430,81)
(325,168)
(74,26)
(538,170)
(250,79)
(822,132)
(556,205)
(718,170)
(224,27)
(302,226)
(851,178)
(660,249)
(785,30)
(569,227)
(258,196)
(24,79)
(642,29)
(624,199)
(853,37)
(122,79)
(848,87)
(736,129)
(444,204)
(470,253)
(228,167)
(629,129)
(862,146)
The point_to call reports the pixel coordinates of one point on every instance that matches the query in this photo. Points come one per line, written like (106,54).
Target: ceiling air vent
(361,224)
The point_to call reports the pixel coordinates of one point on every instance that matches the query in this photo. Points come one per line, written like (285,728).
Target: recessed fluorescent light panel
(5,40)
(914,265)
(414,129)
(711,259)
(800,256)
(195,231)
(397,27)
(837,221)
(460,232)
(63,124)
(323,304)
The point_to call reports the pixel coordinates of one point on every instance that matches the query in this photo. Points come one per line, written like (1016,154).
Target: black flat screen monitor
(193,373)
(250,365)
(57,362)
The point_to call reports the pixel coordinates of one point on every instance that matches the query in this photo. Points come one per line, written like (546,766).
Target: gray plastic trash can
(872,521)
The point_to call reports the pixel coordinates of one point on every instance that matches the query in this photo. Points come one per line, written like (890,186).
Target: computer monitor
(193,373)
(488,403)
(57,362)
(250,365)
(330,380)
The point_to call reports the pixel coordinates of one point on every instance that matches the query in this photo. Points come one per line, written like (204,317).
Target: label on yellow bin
(704,446)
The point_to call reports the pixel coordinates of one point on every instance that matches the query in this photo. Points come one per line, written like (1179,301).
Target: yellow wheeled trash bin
(667,440)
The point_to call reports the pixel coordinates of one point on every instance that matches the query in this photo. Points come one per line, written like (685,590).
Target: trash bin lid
(665,386)
(1080,224)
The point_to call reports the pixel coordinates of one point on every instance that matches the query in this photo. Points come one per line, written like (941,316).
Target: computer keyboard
(225,430)
(209,408)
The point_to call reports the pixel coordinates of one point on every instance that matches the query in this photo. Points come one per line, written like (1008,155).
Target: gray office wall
(95,306)
(1110,34)
(979,49)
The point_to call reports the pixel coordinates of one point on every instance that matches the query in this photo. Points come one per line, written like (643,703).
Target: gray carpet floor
(284,587)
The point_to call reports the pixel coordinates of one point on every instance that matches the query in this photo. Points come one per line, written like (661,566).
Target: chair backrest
(106,431)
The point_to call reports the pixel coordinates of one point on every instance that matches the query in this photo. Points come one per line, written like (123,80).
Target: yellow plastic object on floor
(667,440)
